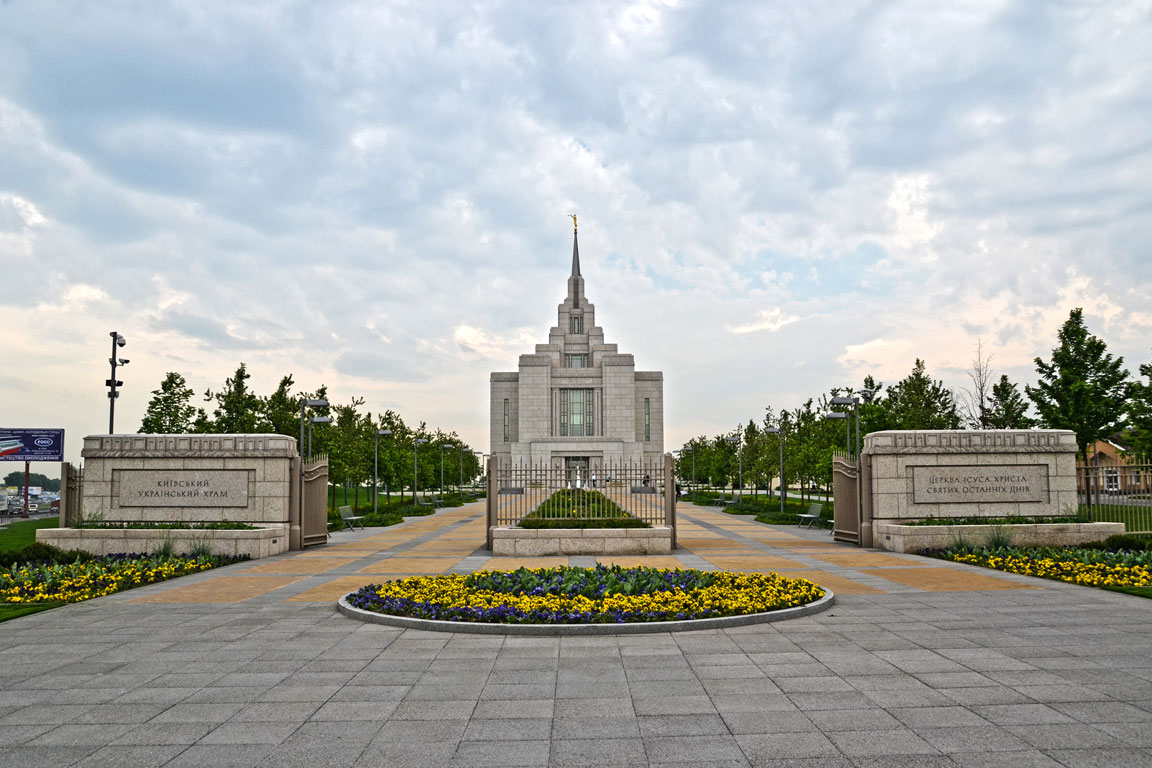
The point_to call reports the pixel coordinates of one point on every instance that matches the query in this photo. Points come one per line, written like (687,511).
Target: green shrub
(222,525)
(201,547)
(165,549)
(1123,542)
(998,536)
(37,552)
(583,522)
(1012,520)
(958,542)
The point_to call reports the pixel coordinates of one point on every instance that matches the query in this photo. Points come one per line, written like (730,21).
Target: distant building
(576,403)
(1115,468)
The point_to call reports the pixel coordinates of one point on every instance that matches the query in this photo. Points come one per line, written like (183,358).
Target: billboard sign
(31,444)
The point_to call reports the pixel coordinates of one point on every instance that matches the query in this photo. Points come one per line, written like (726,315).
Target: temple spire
(575,248)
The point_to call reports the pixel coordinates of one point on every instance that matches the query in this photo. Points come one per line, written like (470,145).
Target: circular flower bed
(600,595)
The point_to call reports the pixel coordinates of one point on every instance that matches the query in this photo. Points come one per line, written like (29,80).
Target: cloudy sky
(774,198)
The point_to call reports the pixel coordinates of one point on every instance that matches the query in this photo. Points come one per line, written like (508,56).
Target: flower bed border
(552,630)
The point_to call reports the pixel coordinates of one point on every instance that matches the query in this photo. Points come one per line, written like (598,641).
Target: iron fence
(579,493)
(1117,493)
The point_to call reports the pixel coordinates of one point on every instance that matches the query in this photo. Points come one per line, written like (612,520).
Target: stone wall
(188,478)
(971,473)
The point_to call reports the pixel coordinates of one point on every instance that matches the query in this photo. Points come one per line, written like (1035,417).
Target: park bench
(812,517)
(350,519)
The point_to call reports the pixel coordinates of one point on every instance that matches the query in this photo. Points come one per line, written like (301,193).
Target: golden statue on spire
(573,217)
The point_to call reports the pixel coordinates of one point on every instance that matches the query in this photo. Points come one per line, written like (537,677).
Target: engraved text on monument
(183,488)
(986,484)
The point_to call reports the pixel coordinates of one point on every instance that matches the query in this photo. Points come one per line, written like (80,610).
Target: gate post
(490,498)
(865,500)
(295,487)
(67,496)
(670,495)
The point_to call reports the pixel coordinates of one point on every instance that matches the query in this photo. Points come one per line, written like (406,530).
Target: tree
(974,402)
(35,480)
(1139,435)
(1007,408)
(237,408)
(170,411)
(280,411)
(919,402)
(1083,388)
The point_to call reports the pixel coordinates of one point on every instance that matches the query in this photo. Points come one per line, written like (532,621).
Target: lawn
(1138,591)
(11,611)
(21,534)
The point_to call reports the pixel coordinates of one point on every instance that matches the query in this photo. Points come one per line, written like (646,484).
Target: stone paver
(920,663)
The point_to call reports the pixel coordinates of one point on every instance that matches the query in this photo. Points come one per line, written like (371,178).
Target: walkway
(920,663)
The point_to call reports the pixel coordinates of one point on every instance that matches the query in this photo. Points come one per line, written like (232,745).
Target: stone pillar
(670,495)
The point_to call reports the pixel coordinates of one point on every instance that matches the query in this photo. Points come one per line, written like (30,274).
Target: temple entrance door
(576,471)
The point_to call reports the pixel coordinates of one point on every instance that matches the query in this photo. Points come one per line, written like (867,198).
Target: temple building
(576,403)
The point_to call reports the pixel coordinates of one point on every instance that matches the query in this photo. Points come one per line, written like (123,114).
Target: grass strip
(12,611)
(21,534)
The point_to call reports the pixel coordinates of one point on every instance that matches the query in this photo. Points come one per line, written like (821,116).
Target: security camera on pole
(112,383)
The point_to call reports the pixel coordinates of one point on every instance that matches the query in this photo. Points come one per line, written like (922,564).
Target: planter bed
(262,541)
(895,537)
(536,542)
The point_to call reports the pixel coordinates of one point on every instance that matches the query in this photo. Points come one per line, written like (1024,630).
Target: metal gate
(1116,493)
(71,480)
(314,521)
(576,491)
(846,502)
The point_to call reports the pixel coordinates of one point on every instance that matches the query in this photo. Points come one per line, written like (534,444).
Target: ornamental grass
(1087,566)
(72,582)
(600,595)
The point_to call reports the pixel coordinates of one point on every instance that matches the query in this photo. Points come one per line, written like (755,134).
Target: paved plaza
(919,663)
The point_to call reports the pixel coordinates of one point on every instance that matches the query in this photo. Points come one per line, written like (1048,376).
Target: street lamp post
(460,466)
(316,420)
(739,460)
(295,540)
(443,447)
(416,465)
(481,462)
(376,467)
(837,416)
(779,439)
(112,383)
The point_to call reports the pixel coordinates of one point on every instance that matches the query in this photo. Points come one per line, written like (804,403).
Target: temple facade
(576,403)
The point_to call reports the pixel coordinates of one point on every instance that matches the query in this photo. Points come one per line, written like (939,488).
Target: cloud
(770,320)
(374,196)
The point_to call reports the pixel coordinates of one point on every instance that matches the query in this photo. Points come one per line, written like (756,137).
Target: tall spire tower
(575,281)
(576,402)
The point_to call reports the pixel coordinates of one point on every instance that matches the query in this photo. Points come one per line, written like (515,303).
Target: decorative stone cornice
(189,446)
(970,441)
